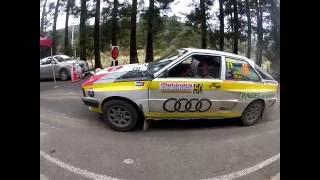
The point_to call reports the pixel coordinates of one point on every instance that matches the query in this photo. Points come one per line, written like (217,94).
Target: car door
(174,95)
(43,73)
(46,69)
(242,85)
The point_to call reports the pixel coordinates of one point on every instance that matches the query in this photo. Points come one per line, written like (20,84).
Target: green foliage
(171,33)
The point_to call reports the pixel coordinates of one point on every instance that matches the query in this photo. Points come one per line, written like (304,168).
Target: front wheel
(252,113)
(64,75)
(120,115)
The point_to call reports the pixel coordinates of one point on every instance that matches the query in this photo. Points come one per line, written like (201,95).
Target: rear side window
(263,74)
(240,70)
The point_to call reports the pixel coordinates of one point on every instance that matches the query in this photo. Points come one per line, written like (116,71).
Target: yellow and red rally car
(187,84)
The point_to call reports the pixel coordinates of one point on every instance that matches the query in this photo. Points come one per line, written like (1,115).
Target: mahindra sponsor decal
(181,88)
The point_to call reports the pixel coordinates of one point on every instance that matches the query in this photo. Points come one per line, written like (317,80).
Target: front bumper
(90,102)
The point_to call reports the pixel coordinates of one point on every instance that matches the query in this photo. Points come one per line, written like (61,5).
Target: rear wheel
(252,113)
(64,75)
(120,115)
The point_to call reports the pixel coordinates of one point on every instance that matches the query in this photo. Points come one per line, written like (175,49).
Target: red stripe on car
(93,79)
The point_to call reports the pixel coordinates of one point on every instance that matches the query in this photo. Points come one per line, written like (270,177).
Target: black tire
(64,75)
(120,115)
(252,113)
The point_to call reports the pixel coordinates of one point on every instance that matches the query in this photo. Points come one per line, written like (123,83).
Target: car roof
(211,51)
(61,55)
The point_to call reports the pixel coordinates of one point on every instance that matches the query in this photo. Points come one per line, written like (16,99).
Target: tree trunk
(97,61)
(249,28)
(149,51)
(260,33)
(83,17)
(236,27)
(66,32)
(221,31)
(275,34)
(203,24)
(232,22)
(133,41)
(54,31)
(114,22)
(43,16)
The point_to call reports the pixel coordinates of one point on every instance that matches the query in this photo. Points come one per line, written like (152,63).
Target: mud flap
(146,124)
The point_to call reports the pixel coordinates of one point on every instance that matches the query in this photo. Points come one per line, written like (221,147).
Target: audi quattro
(186,84)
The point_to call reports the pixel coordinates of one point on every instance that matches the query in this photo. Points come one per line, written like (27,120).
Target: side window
(198,66)
(240,70)
(58,58)
(263,74)
(45,61)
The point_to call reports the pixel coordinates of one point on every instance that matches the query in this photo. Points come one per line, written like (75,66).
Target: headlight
(91,92)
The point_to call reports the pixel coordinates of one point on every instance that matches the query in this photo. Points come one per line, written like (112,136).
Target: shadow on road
(195,124)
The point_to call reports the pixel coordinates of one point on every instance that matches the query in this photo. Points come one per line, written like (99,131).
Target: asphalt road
(76,144)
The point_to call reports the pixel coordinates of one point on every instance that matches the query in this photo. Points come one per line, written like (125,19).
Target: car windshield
(63,58)
(158,64)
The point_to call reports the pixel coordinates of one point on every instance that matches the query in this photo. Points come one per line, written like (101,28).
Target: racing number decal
(197,88)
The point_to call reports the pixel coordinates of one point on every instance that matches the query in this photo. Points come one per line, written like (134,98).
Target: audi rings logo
(186,105)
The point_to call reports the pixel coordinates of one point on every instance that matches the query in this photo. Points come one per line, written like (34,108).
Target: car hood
(129,72)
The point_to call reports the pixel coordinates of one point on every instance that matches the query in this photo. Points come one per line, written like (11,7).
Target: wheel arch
(255,100)
(135,105)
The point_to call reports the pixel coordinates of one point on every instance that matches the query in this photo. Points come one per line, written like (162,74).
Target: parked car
(62,67)
(187,84)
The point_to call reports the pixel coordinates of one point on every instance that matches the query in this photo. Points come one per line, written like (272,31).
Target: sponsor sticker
(247,95)
(191,88)
(139,83)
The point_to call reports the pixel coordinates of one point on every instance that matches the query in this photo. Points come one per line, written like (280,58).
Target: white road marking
(81,172)
(92,175)
(246,171)
(128,161)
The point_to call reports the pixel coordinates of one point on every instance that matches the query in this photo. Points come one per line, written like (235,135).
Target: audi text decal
(186,105)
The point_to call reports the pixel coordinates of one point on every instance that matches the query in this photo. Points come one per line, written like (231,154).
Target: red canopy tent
(48,43)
